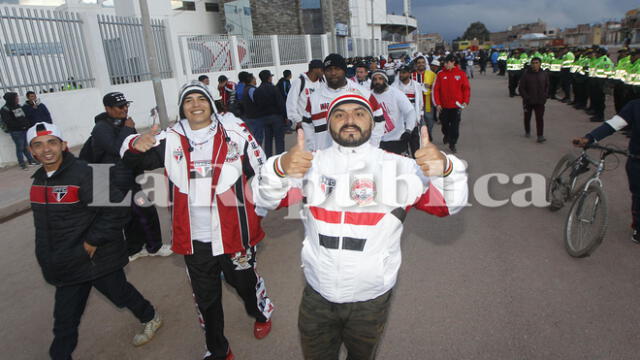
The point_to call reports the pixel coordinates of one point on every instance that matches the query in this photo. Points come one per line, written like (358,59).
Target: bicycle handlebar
(606,149)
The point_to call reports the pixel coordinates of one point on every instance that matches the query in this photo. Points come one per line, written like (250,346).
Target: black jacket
(250,106)
(38,114)
(64,220)
(107,137)
(13,115)
(534,87)
(269,100)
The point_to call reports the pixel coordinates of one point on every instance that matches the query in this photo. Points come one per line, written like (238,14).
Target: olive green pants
(324,326)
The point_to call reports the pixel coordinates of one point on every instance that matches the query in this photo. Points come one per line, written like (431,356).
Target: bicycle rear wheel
(559,184)
(587,222)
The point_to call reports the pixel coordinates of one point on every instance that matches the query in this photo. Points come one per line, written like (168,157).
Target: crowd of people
(383,115)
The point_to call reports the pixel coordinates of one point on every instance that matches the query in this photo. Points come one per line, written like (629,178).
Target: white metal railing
(124,48)
(292,49)
(42,50)
(258,51)
(316,47)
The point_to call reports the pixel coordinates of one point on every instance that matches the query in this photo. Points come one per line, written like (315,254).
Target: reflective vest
(567,60)
(622,68)
(555,65)
(503,56)
(604,67)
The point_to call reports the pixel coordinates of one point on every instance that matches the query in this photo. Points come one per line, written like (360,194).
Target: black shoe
(596,118)
(541,139)
(591,112)
(553,98)
(578,107)
(565,100)
(445,140)
(572,103)
(512,95)
(527,135)
(453,149)
(23,166)
(636,236)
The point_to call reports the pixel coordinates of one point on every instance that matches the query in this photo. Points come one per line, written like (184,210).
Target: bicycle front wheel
(559,184)
(587,222)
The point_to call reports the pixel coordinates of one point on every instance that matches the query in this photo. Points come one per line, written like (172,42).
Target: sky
(450,18)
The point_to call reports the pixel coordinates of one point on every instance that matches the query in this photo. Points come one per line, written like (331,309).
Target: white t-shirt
(201,173)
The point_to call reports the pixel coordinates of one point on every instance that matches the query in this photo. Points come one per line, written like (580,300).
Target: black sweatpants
(143,229)
(239,271)
(565,81)
(597,95)
(633,173)
(554,81)
(450,120)
(71,301)
(539,110)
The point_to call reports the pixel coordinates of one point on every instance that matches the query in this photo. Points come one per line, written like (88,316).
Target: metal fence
(316,47)
(209,53)
(292,48)
(43,51)
(123,43)
(255,51)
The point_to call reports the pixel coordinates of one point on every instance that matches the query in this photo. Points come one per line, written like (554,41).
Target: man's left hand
(428,157)
(90,249)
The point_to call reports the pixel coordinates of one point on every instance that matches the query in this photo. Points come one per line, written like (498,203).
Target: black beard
(351,141)
(379,89)
(337,83)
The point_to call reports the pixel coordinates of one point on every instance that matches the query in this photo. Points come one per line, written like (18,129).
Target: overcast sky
(450,18)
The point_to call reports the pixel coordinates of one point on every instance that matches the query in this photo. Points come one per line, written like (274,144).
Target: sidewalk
(14,189)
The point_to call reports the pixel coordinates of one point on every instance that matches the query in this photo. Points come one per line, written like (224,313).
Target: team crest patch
(327,185)
(60,192)
(233,153)
(363,191)
(457,77)
(242,261)
(178,154)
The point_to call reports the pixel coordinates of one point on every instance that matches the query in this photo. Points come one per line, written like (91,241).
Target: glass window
(183,5)
(212,7)
(310,4)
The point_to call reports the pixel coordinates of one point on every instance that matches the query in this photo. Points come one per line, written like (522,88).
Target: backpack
(86,152)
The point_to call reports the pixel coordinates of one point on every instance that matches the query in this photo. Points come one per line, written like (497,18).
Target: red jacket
(451,86)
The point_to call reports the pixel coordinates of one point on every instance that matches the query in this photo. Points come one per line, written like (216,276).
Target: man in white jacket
(397,107)
(413,90)
(356,198)
(301,88)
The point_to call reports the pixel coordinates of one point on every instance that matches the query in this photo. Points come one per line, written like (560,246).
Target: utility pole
(373,34)
(152,60)
(332,24)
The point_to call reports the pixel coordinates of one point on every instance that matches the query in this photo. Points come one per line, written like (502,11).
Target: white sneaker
(165,250)
(139,254)
(149,330)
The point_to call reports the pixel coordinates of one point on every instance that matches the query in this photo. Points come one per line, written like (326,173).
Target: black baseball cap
(336,60)
(115,99)
(316,64)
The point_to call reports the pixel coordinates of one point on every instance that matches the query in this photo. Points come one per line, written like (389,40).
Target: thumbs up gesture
(147,140)
(428,157)
(297,161)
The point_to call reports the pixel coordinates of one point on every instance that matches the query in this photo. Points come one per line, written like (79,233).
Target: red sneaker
(261,329)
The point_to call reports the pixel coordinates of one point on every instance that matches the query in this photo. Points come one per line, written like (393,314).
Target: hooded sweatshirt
(13,115)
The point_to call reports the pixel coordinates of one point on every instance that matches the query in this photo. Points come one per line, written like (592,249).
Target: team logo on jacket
(457,77)
(178,154)
(327,185)
(363,191)
(242,260)
(201,169)
(59,192)
(233,153)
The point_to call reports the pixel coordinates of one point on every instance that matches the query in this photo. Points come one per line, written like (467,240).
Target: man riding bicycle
(629,115)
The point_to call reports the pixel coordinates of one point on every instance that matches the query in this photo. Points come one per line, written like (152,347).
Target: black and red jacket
(64,220)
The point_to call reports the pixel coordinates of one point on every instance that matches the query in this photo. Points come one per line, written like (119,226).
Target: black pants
(514,78)
(596,87)
(450,119)
(414,142)
(554,81)
(397,147)
(502,66)
(71,301)
(143,229)
(620,95)
(633,173)
(324,326)
(565,81)
(274,127)
(582,90)
(539,110)
(239,271)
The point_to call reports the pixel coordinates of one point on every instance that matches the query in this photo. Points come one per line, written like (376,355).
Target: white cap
(42,129)
(435,62)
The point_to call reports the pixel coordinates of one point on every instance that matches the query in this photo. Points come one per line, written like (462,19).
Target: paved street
(488,283)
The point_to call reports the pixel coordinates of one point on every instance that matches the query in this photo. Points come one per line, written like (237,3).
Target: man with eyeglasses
(111,128)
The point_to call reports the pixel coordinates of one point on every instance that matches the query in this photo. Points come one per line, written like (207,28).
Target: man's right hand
(147,140)
(297,161)
(580,142)
(439,109)
(130,123)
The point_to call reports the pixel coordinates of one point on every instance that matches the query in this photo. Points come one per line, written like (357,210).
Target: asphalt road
(488,283)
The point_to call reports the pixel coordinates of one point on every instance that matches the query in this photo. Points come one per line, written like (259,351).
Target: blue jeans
(20,139)
(257,129)
(273,128)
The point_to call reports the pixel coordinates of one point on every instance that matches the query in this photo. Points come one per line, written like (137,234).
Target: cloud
(451,18)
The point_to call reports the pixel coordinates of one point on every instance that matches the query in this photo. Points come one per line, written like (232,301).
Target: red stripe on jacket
(55,194)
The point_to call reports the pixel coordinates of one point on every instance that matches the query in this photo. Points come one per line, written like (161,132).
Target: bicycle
(589,213)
